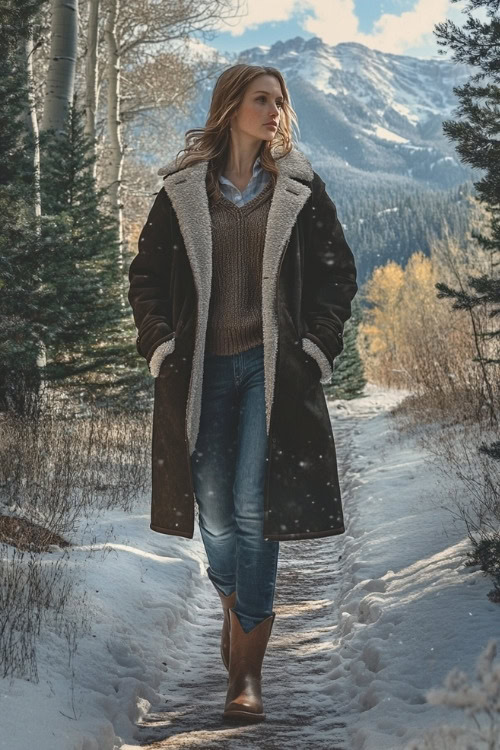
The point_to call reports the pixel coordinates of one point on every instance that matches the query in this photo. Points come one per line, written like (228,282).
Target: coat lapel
(186,189)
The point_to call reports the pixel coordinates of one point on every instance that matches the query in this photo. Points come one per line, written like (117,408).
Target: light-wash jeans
(229,467)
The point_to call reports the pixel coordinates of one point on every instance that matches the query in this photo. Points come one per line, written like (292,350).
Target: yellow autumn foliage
(409,337)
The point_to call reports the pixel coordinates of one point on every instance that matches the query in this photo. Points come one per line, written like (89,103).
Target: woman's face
(261,104)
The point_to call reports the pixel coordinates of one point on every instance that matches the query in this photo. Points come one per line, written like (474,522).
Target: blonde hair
(212,142)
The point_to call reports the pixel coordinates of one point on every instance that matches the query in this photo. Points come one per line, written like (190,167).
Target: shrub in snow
(37,597)
(486,553)
(479,702)
(59,467)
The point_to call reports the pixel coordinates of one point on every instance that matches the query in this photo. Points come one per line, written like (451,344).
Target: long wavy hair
(212,141)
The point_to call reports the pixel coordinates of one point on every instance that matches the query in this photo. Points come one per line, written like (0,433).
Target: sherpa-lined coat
(308,283)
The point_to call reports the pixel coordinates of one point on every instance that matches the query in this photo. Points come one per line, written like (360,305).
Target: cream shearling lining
(186,189)
(314,351)
(159,355)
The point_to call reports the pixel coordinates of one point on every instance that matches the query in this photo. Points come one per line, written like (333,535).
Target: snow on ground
(141,588)
(408,609)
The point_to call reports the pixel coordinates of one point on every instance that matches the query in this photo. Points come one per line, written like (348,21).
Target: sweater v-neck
(249,205)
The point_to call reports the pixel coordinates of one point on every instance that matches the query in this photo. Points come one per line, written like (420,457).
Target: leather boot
(246,654)
(227,602)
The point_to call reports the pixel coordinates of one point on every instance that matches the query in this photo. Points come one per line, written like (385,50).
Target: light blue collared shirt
(260,178)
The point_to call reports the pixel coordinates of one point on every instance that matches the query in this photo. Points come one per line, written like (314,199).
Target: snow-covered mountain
(361,109)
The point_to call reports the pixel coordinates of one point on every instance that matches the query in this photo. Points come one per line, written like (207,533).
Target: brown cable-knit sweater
(235,312)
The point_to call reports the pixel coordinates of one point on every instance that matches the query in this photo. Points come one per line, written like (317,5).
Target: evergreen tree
(89,333)
(19,241)
(348,380)
(476,134)
(61,314)
(79,275)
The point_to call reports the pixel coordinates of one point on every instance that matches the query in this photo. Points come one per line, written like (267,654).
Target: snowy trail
(299,713)
(366,621)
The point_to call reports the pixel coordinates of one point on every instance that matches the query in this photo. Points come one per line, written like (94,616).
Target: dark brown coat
(309,281)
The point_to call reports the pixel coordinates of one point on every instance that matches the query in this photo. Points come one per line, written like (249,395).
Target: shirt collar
(257,168)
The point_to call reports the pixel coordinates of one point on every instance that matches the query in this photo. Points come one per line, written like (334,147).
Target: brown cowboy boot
(227,602)
(246,654)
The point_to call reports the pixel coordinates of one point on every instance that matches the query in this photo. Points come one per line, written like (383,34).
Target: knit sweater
(235,312)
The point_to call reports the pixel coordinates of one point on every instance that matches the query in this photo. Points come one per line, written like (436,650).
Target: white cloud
(261,11)
(336,21)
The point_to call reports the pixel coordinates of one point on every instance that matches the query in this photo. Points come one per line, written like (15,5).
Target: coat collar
(187,191)
(294,165)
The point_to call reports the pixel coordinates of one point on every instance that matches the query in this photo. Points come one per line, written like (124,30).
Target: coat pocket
(313,352)
(159,355)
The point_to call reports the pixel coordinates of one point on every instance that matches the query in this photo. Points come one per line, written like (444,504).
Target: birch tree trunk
(115,163)
(91,75)
(32,123)
(61,72)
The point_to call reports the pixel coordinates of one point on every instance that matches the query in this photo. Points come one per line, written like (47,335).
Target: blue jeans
(229,467)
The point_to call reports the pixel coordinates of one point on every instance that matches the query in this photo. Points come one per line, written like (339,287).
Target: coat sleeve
(329,281)
(149,276)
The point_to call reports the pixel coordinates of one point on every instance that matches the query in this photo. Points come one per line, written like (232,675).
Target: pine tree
(89,334)
(348,380)
(476,134)
(79,275)
(19,240)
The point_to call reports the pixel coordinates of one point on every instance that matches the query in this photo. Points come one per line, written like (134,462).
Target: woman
(240,291)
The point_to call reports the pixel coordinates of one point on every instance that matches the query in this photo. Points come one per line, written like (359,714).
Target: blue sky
(398,26)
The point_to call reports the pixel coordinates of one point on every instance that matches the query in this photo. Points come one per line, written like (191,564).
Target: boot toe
(241,711)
